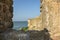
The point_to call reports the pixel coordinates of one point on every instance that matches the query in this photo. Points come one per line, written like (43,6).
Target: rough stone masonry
(6,14)
(49,18)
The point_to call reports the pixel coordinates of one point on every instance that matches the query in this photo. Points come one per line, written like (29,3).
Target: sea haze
(19,24)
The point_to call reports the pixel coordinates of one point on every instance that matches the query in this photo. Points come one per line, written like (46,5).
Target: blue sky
(26,9)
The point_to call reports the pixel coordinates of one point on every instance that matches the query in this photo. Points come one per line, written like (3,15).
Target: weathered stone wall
(6,14)
(52,17)
(33,24)
(50,11)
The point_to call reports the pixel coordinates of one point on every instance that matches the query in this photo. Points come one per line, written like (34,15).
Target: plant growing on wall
(24,29)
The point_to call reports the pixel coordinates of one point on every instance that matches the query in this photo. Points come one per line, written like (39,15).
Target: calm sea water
(20,24)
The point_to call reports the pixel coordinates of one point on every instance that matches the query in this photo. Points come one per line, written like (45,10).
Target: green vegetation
(24,29)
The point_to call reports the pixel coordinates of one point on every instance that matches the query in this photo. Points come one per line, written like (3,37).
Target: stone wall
(50,19)
(51,9)
(6,14)
(33,24)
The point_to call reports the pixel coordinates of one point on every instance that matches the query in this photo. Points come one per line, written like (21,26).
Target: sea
(19,24)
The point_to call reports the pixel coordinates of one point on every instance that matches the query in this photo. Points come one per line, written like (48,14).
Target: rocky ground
(11,34)
(14,35)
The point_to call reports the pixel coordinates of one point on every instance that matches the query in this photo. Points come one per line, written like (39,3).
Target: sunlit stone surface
(50,19)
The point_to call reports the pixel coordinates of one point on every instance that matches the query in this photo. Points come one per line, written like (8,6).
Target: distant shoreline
(20,21)
(19,24)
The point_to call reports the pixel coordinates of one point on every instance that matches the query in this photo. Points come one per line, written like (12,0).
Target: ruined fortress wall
(6,14)
(35,23)
(50,19)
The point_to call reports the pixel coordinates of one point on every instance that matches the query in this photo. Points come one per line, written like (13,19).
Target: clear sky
(25,9)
